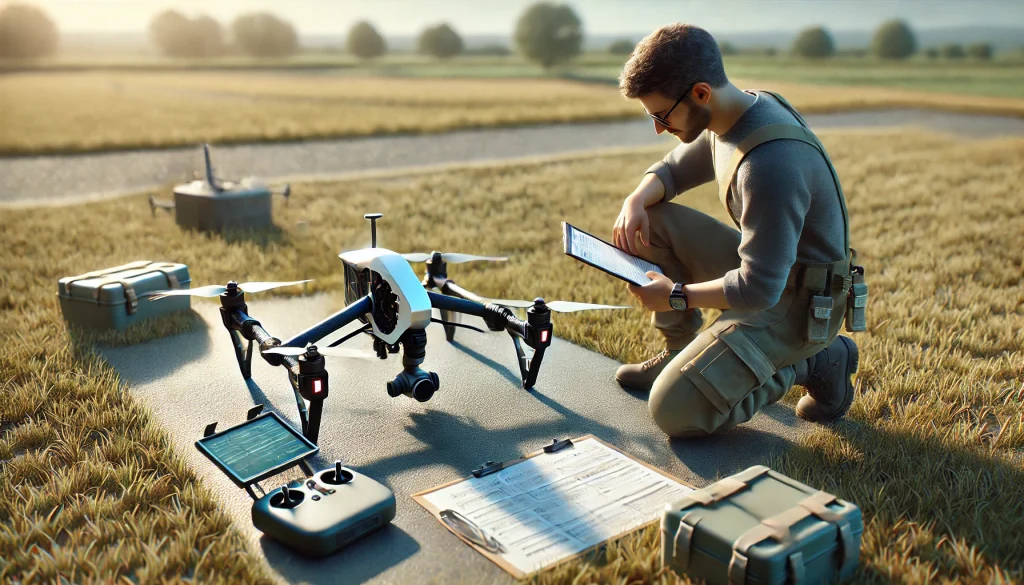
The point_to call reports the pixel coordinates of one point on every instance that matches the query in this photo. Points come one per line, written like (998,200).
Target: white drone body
(414,308)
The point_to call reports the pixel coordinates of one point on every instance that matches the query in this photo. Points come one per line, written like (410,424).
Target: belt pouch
(819,314)
(857,302)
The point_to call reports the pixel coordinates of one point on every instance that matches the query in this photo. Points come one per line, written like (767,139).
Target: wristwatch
(677,298)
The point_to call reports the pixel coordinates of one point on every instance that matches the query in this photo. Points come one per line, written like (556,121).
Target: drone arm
(498,318)
(449,287)
(332,323)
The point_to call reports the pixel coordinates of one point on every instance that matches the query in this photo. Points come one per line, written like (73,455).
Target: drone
(384,294)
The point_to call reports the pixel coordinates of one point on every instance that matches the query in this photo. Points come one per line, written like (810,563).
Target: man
(783,280)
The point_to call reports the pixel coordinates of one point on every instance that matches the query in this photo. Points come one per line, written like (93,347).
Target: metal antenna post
(373,217)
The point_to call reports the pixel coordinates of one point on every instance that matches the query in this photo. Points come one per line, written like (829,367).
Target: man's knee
(679,409)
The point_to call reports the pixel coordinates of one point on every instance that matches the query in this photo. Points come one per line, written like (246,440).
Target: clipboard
(491,548)
(568,230)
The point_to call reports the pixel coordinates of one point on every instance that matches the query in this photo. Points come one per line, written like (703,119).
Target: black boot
(828,383)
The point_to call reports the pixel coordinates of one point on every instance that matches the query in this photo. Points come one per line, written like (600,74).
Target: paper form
(586,247)
(552,506)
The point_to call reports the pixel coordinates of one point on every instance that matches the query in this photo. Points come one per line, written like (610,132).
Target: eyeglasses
(664,121)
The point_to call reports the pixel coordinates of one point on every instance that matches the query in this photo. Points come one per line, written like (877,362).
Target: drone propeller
(556,306)
(451,257)
(326,351)
(214,290)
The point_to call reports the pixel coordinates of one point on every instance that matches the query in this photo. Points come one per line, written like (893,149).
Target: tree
(981,51)
(365,42)
(262,34)
(931,53)
(952,51)
(180,36)
(621,47)
(26,32)
(549,34)
(894,40)
(814,43)
(441,41)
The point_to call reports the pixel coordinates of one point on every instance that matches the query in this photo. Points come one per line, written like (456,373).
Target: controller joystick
(288,498)
(337,476)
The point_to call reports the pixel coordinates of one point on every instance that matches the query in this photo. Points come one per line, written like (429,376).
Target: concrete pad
(480,413)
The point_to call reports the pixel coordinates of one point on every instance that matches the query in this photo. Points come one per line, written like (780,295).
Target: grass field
(932,450)
(84,111)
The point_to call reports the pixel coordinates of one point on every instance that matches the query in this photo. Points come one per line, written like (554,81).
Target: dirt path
(43,180)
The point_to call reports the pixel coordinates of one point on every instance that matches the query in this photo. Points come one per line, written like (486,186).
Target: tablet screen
(256,448)
(601,254)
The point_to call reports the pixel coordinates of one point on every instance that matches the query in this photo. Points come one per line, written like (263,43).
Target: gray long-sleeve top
(784,198)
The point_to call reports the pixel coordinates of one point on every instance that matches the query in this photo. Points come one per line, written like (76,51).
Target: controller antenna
(373,217)
(337,470)
(287,496)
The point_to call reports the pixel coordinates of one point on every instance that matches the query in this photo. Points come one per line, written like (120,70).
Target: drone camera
(414,383)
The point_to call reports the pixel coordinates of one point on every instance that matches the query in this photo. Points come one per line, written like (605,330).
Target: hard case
(114,298)
(761,527)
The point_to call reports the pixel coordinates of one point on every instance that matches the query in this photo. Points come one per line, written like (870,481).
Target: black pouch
(819,314)
(857,302)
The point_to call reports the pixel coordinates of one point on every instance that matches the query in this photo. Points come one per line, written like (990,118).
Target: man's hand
(653,295)
(632,218)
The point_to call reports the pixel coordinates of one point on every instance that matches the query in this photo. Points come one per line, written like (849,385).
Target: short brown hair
(670,60)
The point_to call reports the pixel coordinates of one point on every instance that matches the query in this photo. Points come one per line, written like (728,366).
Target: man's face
(687,120)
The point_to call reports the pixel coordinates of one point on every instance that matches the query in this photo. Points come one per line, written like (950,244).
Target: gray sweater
(783,196)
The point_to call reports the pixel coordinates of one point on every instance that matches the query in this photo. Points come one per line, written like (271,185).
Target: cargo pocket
(729,369)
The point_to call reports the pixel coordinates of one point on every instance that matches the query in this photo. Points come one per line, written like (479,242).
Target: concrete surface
(40,180)
(480,413)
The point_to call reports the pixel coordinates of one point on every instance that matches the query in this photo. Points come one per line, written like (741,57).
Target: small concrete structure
(208,205)
(197,205)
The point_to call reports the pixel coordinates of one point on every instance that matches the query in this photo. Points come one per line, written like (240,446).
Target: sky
(402,17)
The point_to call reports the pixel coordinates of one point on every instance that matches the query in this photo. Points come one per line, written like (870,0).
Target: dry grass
(93,111)
(931,451)
(74,112)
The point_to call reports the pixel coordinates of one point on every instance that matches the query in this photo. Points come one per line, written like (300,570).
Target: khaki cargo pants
(742,361)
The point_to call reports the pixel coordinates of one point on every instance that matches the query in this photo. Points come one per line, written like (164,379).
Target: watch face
(677,304)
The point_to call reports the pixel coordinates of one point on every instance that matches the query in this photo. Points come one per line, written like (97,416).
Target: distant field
(931,450)
(332,96)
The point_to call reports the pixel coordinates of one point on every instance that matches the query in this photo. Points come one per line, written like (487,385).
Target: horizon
(397,18)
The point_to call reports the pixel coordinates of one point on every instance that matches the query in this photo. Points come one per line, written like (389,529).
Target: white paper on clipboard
(600,254)
(553,506)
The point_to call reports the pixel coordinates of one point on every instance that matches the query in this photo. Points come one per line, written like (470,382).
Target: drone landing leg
(243,353)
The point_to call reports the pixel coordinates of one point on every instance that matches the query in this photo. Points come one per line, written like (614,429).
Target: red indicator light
(544,336)
(316,386)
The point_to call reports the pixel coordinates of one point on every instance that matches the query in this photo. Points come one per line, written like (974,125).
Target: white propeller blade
(570,307)
(203,291)
(416,257)
(452,257)
(556,306)
(255,287)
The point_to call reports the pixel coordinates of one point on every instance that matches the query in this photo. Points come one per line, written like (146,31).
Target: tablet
(604,256)
(256,449)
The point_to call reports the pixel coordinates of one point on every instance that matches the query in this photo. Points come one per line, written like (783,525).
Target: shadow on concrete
(356,563)
(502,369)
(159,358)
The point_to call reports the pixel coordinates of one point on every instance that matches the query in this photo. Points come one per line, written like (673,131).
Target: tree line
(545,33)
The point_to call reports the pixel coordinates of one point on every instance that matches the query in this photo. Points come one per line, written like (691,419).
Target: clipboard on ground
(598,253)
(552,505)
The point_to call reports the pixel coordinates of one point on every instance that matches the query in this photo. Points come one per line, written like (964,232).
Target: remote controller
(321,514)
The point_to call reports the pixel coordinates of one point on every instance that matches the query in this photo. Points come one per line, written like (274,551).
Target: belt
(834,276)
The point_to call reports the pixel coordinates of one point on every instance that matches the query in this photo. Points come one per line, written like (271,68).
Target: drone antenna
(209,168)
(373,217)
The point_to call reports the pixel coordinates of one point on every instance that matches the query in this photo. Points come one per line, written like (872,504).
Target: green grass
(932,450)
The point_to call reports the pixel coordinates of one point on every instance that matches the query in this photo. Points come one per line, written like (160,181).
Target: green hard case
(761,527)
(115,298)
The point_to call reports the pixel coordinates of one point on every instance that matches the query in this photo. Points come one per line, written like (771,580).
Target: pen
(471,531)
